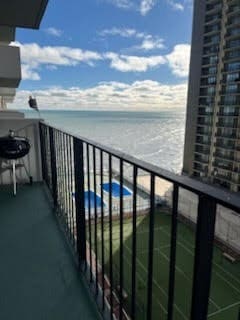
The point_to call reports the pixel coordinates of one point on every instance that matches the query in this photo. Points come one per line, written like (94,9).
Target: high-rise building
(212,141)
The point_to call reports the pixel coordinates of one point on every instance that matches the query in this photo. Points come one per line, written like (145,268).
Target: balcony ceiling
(24,13)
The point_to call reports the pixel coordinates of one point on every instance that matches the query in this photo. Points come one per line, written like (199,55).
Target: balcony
(231,136)
(233,10)
(224,156)
(223,166)
(100,218)
(227,114)
(39,279)
(222,145)
(225,124)
(227,177)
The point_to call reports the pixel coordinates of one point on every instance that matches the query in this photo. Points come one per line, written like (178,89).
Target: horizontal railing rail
(125,219)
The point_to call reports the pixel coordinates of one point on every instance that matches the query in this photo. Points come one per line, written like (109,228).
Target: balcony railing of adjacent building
(227,124)
(72,166)
(226,135)
(223,165)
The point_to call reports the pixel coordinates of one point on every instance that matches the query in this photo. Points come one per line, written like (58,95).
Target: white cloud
(176,5)
(146,6)
(149,42)
(123,4)
(123,32)
(142,6)
(133,63)
(29,74)
(53,32)
(179,59)
(35,57)
(145,95)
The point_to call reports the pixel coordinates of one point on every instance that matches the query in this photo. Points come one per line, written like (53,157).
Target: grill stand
(13,165)
(14,177)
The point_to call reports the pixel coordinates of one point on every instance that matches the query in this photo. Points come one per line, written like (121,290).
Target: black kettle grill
(13,148)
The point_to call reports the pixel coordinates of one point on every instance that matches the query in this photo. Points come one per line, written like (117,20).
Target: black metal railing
(115,217)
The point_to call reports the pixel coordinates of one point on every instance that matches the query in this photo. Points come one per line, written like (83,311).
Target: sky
(107,54)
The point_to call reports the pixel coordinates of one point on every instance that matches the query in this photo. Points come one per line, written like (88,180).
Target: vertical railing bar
(73,190)
(95,219)
(60,171)
(64,183)
(121,242)
(110,236)
(79,201)
(69,186)
(203,257)
(48,163)
(42,150)
(46,159)
(172,263)
(134,243)
(89,213)
(45,151)
(151,247)
(61,175)
(102,230)
(53,166)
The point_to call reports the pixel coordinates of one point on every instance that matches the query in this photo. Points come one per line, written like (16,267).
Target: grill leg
(14,178)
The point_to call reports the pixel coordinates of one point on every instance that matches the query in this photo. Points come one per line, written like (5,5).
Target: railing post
(172,264)
(43,153)
(79,200)
(203,257)
(53,167)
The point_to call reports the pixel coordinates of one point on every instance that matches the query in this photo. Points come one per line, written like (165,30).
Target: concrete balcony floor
(38,276)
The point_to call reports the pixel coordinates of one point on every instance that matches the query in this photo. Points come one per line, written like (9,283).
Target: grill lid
(13,147)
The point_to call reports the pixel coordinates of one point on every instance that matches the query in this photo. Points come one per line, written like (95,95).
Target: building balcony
(205,113)
(223,177)
(211,9)
(231,36)
(199,159)
(222,145)
(233,57)
(83,243)
(230,136)
(201,151)
(203,142)
(222,124)
(233,11)
(224,156)
(227,114)
(212,20)
(212,30)
(227,167)
(39,278)
(203,119)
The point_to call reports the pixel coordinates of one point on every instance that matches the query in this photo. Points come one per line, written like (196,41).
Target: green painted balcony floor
(38,276)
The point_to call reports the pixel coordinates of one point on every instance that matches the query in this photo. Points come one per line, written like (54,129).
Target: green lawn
(224,302)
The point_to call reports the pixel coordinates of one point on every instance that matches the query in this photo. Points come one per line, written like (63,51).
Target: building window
(231,88)
(232,66)
(233,77)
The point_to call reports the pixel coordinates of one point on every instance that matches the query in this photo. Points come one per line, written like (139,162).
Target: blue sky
(108,54)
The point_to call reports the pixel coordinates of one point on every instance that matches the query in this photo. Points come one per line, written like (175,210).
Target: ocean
(155,137)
